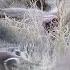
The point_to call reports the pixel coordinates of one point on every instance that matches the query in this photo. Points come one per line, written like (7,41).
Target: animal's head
(50,22)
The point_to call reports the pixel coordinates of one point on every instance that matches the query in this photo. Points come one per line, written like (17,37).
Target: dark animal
(50,22)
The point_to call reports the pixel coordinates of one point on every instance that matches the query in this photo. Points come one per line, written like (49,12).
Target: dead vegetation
(31,32)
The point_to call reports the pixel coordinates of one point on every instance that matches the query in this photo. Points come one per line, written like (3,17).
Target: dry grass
(29,34)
